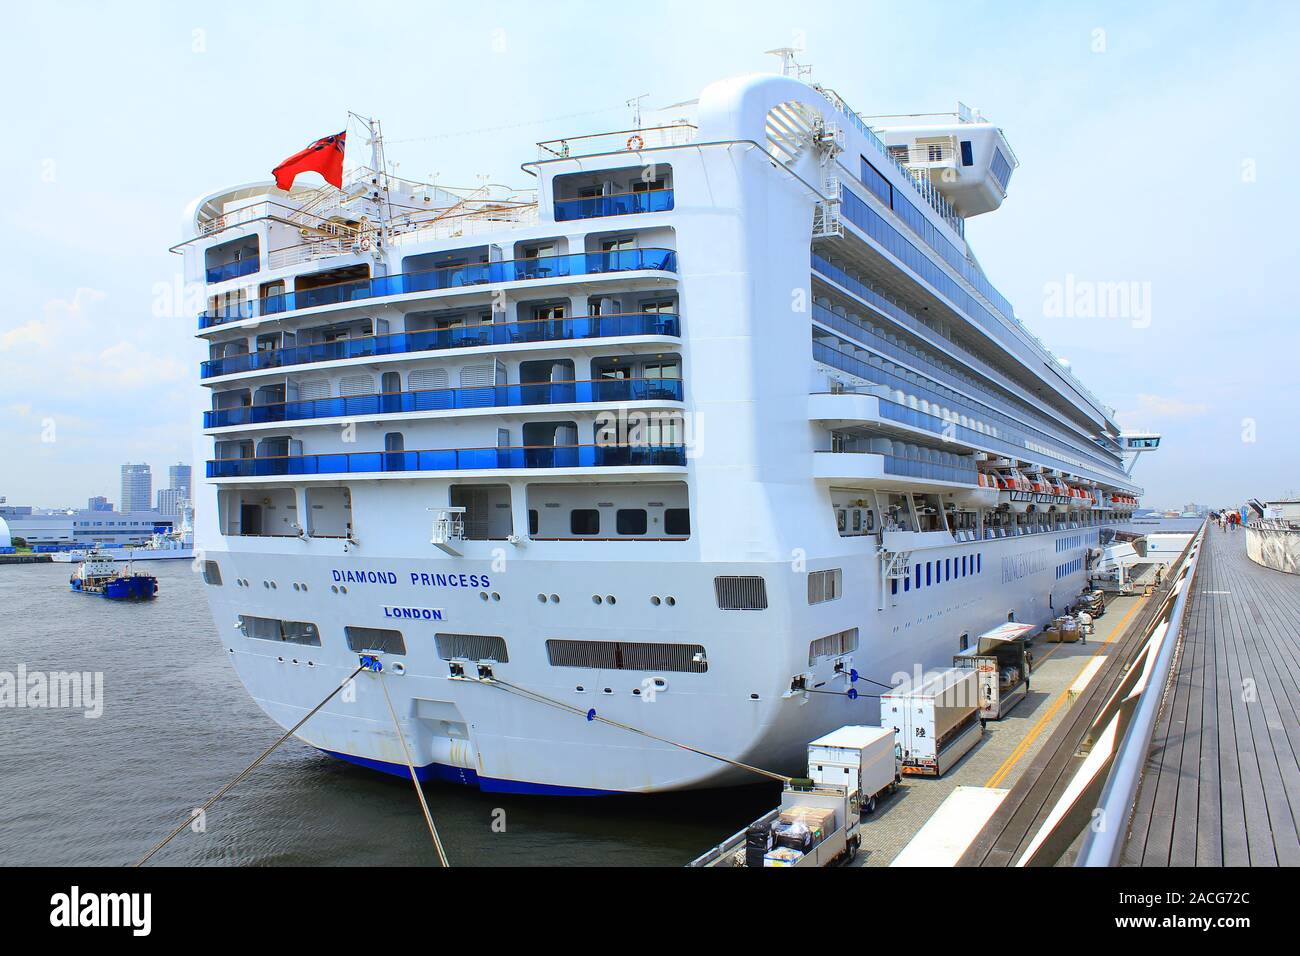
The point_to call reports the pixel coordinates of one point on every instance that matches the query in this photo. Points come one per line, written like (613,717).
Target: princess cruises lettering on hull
(722,411)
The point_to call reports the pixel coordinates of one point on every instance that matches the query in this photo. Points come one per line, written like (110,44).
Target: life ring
(365,244)
(635,142)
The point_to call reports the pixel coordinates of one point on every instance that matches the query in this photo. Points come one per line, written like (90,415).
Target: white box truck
(861,757)
(937,720)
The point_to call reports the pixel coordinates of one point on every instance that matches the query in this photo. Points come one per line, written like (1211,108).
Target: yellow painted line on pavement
(1061,698)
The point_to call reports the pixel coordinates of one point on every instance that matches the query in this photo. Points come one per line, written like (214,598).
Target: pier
(1010,745)
(1221,784)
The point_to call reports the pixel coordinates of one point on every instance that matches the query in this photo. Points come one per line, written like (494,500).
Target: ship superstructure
(722,411)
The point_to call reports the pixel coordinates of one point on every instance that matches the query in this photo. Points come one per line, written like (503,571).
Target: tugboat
(98,574)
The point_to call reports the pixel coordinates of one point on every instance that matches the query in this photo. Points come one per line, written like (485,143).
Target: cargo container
(936,721)
(1000,659)
(862,757)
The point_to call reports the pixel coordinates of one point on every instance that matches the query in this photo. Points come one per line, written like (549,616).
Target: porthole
(596,599)
(555,599)
(496,596)
(654,599)
(541,599)
(609,599)
(482,595)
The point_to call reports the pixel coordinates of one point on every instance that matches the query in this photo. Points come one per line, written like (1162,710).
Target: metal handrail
(1102,845)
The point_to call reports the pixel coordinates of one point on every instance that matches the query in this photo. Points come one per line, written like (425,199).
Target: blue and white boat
(98,574)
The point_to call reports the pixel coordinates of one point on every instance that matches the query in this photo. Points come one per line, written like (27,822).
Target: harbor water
(176,726)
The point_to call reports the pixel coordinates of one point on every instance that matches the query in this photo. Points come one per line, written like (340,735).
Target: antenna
(789,65)
(635,103)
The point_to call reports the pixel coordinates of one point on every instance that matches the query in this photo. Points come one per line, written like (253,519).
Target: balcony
(450,277)
(473,336)
(618,204)
(891,469)
(448,399)
(453,459)
(232,270)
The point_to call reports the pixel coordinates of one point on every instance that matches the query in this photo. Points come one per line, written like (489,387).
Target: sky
(1157,145)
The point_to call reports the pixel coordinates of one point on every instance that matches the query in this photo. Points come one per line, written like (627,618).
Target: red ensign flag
(325,156)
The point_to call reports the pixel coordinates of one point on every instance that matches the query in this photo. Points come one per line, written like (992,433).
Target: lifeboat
(1060,493)
(986,496)
(1015,491)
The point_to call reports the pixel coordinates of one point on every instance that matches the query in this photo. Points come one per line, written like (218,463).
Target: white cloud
(75,345)
(1159,408)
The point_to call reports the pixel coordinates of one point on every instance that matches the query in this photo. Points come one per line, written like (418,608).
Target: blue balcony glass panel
(513,270)
(233,270)
(451,459)
(442,399)
(505,333)
(622,204)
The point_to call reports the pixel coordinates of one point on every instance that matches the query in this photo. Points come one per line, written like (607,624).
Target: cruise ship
(711,432)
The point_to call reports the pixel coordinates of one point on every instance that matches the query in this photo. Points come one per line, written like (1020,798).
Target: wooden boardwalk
(1222,781)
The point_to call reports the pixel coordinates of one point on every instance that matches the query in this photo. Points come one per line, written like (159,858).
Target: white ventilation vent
(741,593)
(357,385)
(422,379)
(790,130)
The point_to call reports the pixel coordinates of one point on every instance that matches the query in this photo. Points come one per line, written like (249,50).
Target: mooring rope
(415,780)
(591,715)
(247,770)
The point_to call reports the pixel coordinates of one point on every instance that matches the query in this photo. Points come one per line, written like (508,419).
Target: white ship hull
(471,732)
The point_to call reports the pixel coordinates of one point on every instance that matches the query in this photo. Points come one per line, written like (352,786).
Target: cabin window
(631,521)
(532,521)
(677,521)
(825,585)
(584,521)
(211,572)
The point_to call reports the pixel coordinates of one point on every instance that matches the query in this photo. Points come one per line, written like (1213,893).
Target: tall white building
(179,479)
(137,488)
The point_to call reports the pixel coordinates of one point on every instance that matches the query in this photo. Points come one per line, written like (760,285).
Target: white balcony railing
(628,140)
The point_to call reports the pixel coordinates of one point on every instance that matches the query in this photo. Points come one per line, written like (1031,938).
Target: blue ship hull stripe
(448,774)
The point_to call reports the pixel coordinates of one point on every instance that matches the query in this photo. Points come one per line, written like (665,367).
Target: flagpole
(379,164)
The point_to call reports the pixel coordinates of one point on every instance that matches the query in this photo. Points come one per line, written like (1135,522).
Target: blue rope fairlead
(371,663)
